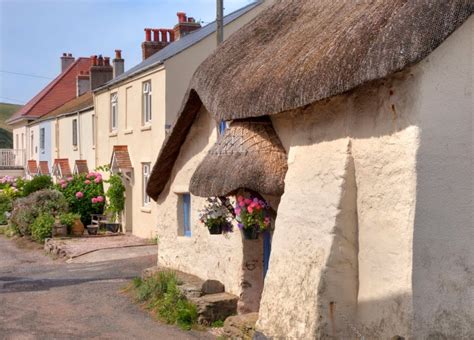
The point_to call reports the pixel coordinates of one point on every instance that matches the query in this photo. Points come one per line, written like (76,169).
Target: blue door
(267,248)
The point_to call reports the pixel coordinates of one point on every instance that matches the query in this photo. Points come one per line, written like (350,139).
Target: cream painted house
(135,110)
(354,121)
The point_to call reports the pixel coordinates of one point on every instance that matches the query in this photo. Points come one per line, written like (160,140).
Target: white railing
(12,158)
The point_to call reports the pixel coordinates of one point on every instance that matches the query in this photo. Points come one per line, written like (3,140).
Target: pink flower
(64,185)
(87,181)
(62,181)
(250,209)
(69,179)
(248,201)
(237,211)
(242,203)
(94,200)
(240,198)
(100,199)
(79,195)
(98,179)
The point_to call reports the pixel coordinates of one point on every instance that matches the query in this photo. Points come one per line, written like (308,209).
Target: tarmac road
(45,299)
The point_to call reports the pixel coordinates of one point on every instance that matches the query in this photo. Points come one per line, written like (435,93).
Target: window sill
(113,134)
(75,148)
(145,128)
(145,210)
(128,132)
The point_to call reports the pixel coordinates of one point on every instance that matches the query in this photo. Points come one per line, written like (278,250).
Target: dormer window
(146,106)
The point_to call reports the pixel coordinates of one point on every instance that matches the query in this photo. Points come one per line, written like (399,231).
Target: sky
(35,33)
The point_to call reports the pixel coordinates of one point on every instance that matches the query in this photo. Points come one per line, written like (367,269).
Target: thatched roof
(298,52)
(249,155)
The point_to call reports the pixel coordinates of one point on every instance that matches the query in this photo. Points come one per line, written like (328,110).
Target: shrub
(42,227)
(12,186)
(26,210)
(36,184)
(84,194)
(161,294)
(116,196)
(6,206)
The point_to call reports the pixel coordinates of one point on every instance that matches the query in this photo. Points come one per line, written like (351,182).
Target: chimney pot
(156,35)
(106,61)
(66,61)
(147,34)
(100,60)
(64,54)
(118,54)
(181,17)
(171,32)
(69,54)
(164,35)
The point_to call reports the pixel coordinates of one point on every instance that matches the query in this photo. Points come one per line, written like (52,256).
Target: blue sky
(35,33)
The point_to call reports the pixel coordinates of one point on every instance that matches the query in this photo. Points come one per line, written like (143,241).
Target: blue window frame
(222,127)
(186,199)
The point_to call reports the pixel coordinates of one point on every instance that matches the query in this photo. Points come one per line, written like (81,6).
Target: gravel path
(45,299)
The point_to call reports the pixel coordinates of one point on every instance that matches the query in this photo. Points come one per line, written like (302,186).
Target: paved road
(45,299)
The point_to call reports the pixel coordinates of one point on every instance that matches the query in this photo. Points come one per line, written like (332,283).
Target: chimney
(161,38)
(119,64)
(100,72)
(83,83)
(185,25)
(66,60)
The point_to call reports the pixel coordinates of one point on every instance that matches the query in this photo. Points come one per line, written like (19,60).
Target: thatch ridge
(249,155)
(298,52)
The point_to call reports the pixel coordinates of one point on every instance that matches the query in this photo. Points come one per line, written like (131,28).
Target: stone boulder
(240,326)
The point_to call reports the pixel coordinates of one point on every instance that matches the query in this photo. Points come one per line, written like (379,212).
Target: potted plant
(252,216)
(216,217)
(116,203)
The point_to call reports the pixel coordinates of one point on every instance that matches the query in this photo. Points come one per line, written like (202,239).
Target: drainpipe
(79,139)
(220,21)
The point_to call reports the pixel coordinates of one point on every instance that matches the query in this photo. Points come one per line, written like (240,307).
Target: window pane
(187,213)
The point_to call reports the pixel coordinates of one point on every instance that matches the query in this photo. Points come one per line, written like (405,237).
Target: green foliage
(36,184)
(84,194)
(26,210)
(12,186)
(68,219)
(116,196)
(217,324)
(6,206)
(6,137)
(161,294)
(42,227)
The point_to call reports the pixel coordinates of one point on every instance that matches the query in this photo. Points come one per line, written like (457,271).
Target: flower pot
(250,233)
(77,229)
(59,230)
(92,229)
(215,230)
(113,227)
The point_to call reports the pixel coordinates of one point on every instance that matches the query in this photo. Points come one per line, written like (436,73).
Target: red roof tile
(61,167)
(32,167)
(81,167)
(43,168)
(120,157)
(61,90)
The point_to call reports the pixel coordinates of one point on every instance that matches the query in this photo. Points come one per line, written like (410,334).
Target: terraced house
(353,120)
(136,109)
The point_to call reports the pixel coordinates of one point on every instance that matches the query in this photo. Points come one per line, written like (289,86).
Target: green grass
(6,111)
(161,295)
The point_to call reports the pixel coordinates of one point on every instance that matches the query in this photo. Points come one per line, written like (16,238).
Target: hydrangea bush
(216,215)
(85,194)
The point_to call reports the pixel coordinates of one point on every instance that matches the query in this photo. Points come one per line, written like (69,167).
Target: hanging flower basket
(250,233)
(216,216)
(252,215)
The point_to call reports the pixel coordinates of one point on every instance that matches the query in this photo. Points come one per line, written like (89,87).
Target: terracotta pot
(215,230)
(250,233)
(77,228)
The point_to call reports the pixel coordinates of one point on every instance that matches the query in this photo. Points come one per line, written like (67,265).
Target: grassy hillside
(6,138)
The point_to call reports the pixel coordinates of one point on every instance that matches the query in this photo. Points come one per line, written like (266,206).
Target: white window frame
(146,103)
(32,146)
(42,139)
(114,111)
(146,172)
(74,132)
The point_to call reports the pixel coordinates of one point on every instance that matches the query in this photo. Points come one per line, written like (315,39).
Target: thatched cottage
(354,120)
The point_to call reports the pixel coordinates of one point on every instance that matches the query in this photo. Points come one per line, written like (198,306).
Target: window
(42,141)
(222,127)
(32,148)
(146,176)
(113,111)
(93,130)
(74,132)
(184,215)
(17,145)
(146,108)
(23,141)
